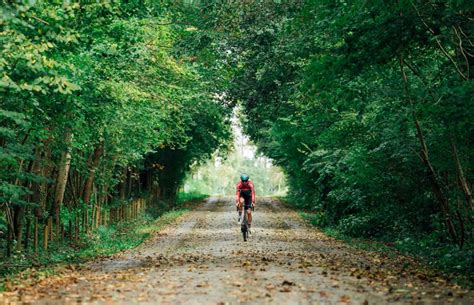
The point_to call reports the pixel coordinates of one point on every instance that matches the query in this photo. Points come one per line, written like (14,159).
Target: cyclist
(245,197)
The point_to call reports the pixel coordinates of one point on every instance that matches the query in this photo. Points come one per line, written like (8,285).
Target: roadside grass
(190,197)
(123,236)
(103,242)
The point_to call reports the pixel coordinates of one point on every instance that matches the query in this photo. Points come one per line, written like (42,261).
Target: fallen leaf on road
(345,299)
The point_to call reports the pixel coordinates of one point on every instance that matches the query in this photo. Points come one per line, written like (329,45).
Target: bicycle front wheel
(245,233)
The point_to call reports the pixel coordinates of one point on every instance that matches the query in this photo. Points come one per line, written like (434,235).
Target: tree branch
(443,50)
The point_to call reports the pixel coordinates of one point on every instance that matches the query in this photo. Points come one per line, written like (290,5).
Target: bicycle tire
(244,227)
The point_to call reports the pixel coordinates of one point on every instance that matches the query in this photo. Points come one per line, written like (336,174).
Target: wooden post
(35,238)
(46,236)
(93,216)
(101,216)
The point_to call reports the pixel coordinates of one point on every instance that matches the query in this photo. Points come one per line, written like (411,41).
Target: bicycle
(244,226)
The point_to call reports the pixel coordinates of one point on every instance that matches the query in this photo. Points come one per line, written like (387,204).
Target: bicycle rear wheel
(245,232)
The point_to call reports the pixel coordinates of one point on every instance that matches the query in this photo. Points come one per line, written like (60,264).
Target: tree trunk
(9,241)
(461,178)
(98,151)
(18,225)
(80,185)
(123,184)
(36,186)
(27,233)
(61,181)
(48,171)
(436,186)
(35,236)
(149,180)
(130,183)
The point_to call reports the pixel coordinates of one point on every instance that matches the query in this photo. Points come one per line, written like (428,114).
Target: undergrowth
(190,196)
(447,258)
(104,241)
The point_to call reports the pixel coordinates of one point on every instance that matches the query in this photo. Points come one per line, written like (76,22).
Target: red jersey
(245,186)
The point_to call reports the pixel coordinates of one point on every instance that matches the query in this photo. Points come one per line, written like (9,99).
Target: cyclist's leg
(240,207)
(248,208)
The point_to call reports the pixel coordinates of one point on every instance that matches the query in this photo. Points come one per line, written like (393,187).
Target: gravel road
(202,259)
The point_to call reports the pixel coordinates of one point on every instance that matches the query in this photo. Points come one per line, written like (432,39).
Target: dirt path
(202,259)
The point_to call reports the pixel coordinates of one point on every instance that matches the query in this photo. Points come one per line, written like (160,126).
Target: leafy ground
(446,257)
(202,259)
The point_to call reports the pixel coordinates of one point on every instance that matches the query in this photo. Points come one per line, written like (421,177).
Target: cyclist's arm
(253,192)
(237,194)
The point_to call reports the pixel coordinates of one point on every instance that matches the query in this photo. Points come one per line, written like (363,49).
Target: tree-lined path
(109,108)
(201,259)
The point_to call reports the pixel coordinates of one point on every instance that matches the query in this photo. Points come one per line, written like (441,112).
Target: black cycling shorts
(247,195)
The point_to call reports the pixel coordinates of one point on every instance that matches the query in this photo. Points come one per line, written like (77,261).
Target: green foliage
(100,97)
(363,105)
(367,106)
(190,196)
(316,219)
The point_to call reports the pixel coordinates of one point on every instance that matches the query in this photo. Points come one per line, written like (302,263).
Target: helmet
(244,178)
